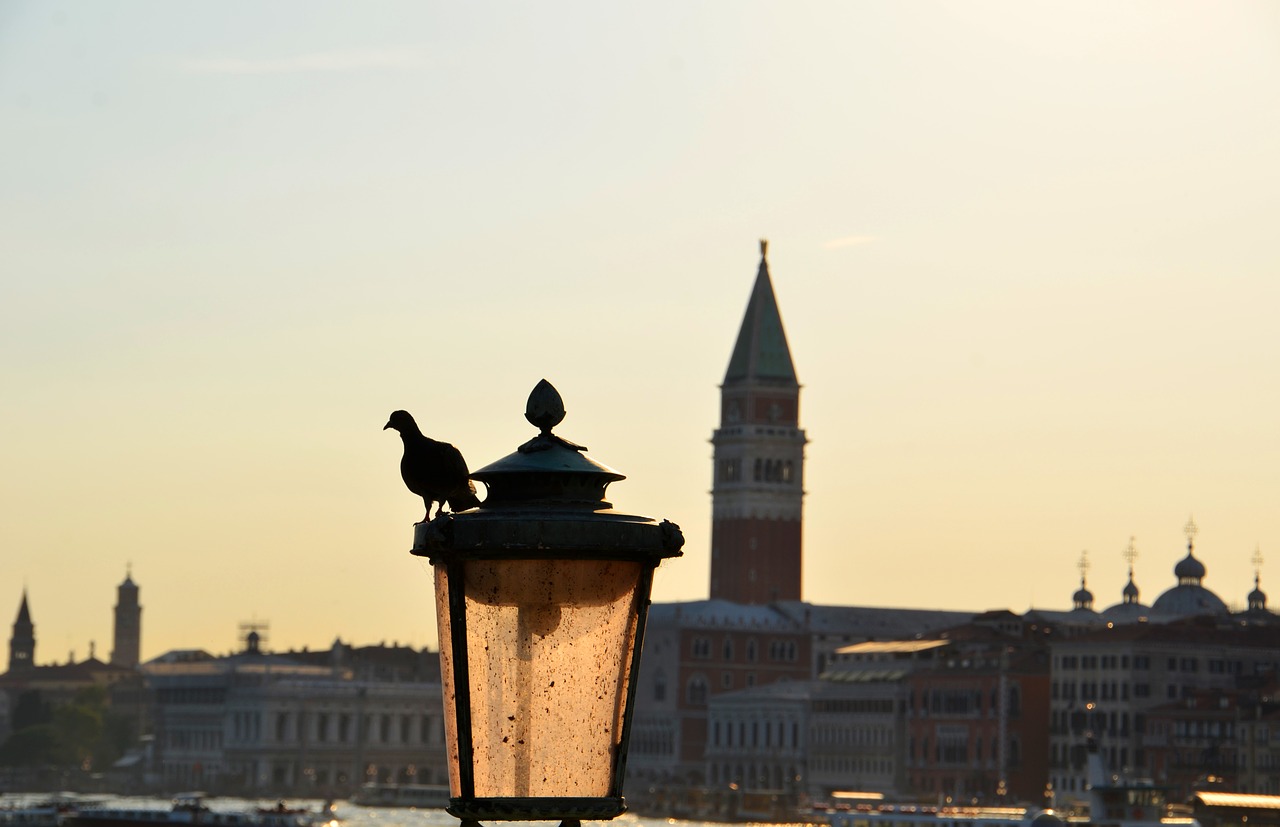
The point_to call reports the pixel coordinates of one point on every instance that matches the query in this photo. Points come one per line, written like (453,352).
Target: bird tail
(464,498)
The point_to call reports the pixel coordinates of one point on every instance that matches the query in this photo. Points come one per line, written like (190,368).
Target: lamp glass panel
(550,644)
(445,631)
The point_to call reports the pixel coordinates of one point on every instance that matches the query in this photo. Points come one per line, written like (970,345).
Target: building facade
(255,723)
(1105,685)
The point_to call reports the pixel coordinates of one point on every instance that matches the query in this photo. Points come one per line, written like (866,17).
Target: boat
(47,813)
(419,796)
(1114,801)
(1120,801)
(189,810)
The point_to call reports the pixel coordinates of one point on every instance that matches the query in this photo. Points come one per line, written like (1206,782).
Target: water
(349,815)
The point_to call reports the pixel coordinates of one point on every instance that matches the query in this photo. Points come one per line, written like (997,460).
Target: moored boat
(420,796)
(47,813)
(190,810)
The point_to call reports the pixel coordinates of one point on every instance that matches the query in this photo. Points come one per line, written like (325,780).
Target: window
(660,686)
(696,690)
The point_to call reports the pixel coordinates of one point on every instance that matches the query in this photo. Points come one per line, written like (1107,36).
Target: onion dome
(1082,600)
(1257,597)
(1130,590)
(1189,570)
(1130,609)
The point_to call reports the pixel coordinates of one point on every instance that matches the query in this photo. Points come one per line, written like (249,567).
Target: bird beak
(388,425)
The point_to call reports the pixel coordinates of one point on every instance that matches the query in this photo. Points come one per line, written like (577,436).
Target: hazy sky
(1027,255)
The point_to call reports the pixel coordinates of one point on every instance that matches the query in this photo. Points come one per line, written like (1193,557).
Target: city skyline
(1023,255)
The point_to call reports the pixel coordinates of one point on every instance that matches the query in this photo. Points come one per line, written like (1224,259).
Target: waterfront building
(758,739)
(1258,744)
(257,723)
(857,723)
(697,651)
(977,718)
(1106,684)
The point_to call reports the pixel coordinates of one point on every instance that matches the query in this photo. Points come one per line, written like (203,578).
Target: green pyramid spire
(761,351)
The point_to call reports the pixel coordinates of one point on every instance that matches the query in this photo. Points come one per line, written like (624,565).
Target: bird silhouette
(433,470)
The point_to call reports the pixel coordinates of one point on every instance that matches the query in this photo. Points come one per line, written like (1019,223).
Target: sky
(1026,254)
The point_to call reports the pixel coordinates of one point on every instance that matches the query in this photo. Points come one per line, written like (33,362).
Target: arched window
(696,691)
(758,468)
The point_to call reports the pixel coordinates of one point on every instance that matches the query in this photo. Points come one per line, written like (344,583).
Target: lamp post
(541,597)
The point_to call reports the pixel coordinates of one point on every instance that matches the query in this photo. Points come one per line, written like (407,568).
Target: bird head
(401,421)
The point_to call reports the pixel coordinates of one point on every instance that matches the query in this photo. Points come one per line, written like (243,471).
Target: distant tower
(22,645)
(128,633)
(758,490)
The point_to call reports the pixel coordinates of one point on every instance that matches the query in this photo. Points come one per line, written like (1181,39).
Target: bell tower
(22,645)
(757,495)
(128,624)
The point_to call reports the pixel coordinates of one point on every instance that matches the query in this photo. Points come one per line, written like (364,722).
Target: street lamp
(541,597)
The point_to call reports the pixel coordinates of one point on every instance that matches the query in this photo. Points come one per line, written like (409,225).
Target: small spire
(764,248)
(1257,559)
(1191,531)
(1083,565)
(1130,553)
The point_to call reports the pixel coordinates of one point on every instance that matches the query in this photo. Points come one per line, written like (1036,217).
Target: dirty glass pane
(549,651)
(446,676)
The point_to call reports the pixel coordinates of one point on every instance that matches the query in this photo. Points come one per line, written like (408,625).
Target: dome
(1127,612)
(1257,598)
(1082,600)
(1189,568)
(1185,600)
(1189,597)
(1130,609)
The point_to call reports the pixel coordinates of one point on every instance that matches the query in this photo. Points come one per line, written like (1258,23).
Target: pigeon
(433,470)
